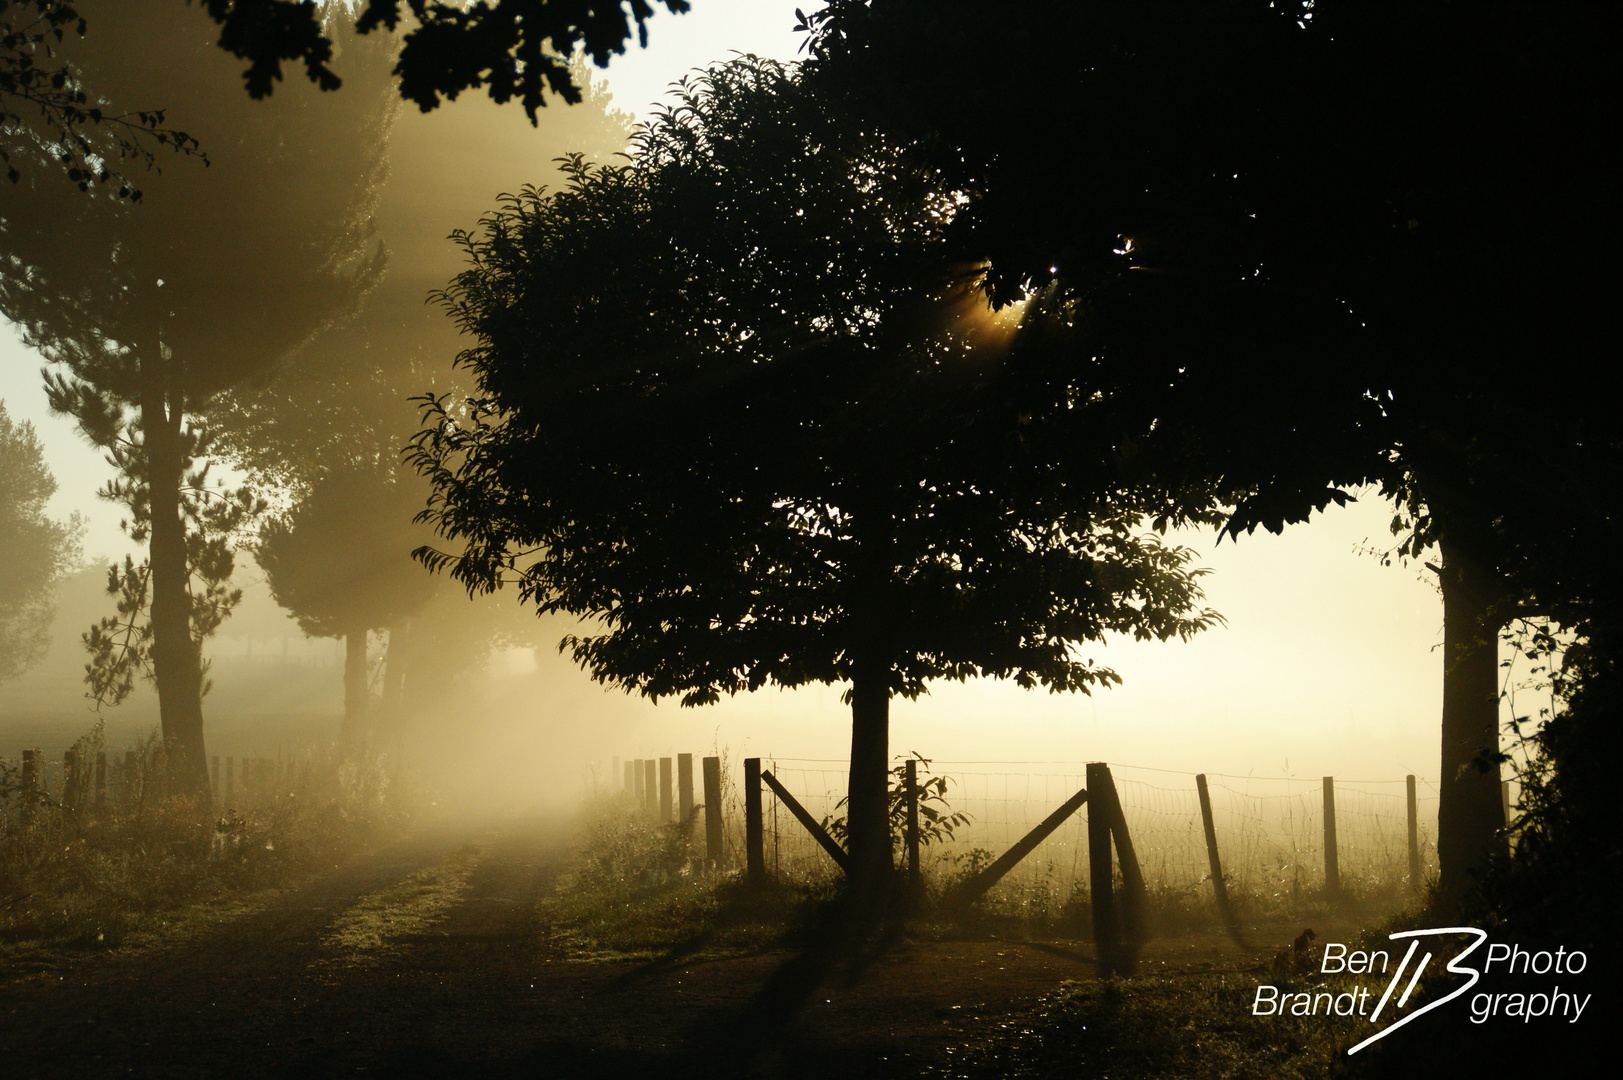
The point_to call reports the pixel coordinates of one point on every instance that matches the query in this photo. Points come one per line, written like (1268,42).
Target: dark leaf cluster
(51,117)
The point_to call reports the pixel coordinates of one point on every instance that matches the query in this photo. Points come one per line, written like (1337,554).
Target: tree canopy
(52,120)
(1323,244)
(737,407)
(148,311)
(34,550)
(513,48)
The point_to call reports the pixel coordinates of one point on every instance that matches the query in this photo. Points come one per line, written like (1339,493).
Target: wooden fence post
(631,784)
(636,783)
(684,787)
(1220,890)
(1101,883)
(1134,893)
(214,776)
(754,846)
(913,823)
(664,791)
(614,770)
(650,786)
(1414,836)
(1332,865)
(712,812)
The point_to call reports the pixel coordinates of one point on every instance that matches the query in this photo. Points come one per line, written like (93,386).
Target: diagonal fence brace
(835,851)
(972,890)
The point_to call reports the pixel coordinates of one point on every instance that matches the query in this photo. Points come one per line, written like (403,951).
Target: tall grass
(85,865)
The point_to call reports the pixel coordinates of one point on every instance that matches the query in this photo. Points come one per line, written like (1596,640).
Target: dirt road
(425,961)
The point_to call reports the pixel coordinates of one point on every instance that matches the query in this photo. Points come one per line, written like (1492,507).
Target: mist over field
(895,535)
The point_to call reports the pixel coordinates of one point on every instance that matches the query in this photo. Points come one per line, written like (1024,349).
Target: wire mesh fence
(1270,830)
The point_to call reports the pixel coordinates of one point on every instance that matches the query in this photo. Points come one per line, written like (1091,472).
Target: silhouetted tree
(513,48)
(736,407)
(51,119)
(340,563)
(339,408)
(34,550)
(1324,244)
(150,310)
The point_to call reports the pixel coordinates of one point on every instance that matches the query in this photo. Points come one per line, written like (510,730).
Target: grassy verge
(82,875)
(1182,1026)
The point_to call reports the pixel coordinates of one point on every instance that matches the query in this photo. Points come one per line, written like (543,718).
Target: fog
(1329,663)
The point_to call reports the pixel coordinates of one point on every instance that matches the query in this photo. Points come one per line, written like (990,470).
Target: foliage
(737,405)
(34,550)
(215,520)
(937,818)
(515,48)
(748,276)
(50,117)
(92,876)
(1321,245)
(339,560)
(148,312)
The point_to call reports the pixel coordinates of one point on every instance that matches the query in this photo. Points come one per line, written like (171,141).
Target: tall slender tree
(148,311)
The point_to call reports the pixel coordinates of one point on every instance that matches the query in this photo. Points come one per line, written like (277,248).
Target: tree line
(872,369)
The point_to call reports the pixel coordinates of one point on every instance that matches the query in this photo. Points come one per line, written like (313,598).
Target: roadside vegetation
(87,867)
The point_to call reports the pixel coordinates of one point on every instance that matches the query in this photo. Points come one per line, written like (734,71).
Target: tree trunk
(1469,816)
(867,802)
(355,691)
(176,660)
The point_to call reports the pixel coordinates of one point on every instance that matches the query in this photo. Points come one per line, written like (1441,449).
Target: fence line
(1270,830)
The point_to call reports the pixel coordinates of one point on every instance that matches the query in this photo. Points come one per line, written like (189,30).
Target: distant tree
(149,311)
(513,48)
(340,563)
(737,408)
(1325,244)
(34,550)
(51,119)
(340,406)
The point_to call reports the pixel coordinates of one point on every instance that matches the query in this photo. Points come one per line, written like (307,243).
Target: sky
(1330,663)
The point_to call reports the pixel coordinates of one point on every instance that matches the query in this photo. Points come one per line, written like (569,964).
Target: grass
(632,889)
(381,920)
(99,875)
(1186,1026)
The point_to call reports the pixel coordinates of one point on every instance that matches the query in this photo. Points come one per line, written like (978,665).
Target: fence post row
(650,786)
(754,852)
(1220,890)
(712,812)
(1332,866)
